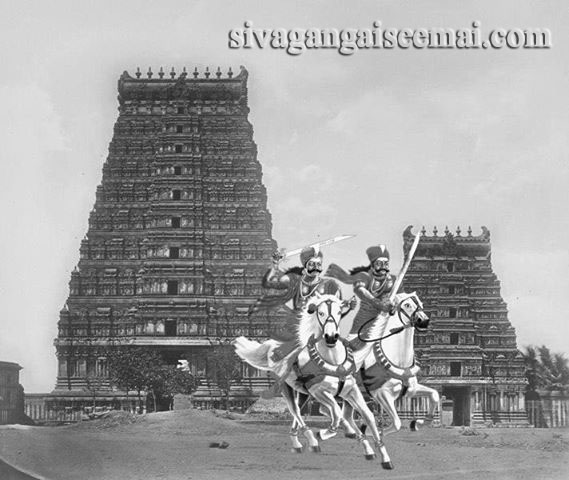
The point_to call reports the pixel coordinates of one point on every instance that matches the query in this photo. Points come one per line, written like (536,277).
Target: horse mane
(363,268)
(377,327)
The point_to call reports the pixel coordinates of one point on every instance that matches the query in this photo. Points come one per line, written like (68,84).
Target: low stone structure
(11,393)
(548,408)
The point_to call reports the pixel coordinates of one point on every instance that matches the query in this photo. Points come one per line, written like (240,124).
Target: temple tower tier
(180,234)
(469,352)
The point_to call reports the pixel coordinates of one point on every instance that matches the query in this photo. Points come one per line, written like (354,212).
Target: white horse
(388,368)
(323,367)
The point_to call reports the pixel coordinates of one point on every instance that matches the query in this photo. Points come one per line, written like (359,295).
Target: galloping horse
(322,367)
(389,369)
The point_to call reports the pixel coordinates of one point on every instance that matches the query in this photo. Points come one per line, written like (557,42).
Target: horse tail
(254,353)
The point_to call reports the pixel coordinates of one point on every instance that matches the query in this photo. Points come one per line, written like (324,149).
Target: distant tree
(561,367)
(94,384)
(224,368)
(546,370)
(176,380)
(533,369)
(144,370)
(135,369)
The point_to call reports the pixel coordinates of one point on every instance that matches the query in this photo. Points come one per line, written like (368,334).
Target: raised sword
(404,268)
(283,253)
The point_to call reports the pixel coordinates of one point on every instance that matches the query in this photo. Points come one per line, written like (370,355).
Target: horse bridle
(394,331)
(314,308)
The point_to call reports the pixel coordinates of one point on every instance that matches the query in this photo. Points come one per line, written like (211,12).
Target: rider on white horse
(300,284)
(372,284)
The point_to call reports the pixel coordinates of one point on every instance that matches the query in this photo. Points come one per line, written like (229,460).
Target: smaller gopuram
(469,353)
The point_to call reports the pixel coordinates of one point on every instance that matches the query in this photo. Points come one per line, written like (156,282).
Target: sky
(363,144)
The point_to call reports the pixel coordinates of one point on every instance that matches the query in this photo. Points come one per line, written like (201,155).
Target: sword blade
(323,243)
(404,268)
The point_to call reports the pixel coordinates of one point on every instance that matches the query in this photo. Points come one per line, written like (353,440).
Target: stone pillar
(477,406)
(82,367)
(62,366)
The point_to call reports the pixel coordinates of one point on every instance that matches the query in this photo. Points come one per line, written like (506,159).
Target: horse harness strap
(317,368)
(394,370)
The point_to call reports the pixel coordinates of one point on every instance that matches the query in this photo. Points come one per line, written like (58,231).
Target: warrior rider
(372,284)
(300,283)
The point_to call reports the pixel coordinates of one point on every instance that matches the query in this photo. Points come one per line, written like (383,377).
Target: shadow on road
(10,473)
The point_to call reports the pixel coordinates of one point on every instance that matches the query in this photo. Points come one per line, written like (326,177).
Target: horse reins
(394,331)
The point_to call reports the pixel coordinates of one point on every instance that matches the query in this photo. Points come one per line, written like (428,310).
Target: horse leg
(298,422)
(296,445)
(434,400)
(415,390)
(348,422)
(356,400)
(345,419)
(386,396)
(322,394)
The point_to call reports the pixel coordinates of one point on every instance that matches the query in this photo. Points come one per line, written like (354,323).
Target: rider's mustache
(381,270)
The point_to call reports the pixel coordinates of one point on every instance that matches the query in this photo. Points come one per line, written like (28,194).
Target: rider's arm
(275,278)
(363,293)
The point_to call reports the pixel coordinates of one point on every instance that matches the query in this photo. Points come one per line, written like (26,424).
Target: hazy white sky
(365,144)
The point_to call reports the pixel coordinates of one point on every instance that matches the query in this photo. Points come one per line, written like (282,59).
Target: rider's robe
(379,289)
(299,293)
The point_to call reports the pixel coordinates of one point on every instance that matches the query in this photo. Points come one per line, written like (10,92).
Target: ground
(177,445)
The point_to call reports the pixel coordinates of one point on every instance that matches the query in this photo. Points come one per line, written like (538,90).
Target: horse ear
(311,308)
(339,294)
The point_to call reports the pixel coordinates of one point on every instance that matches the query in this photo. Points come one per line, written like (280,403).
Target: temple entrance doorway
(460,397)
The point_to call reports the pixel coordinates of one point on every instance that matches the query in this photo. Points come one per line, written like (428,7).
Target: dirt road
(176,445)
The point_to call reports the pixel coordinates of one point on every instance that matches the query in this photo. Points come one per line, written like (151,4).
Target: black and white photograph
(287,240)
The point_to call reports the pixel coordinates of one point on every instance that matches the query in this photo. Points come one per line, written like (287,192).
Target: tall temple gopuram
(179,236)
(469,353)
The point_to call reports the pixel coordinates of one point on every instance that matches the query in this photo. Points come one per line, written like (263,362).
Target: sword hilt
(278,255)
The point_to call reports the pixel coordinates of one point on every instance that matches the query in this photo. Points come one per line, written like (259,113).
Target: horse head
(410,311)
(327,310)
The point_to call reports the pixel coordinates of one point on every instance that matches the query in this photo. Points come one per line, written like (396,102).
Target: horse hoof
(296,450)
(413,426)
(325,434)
(387,465)
(350,435)
(370,456)
(315,449)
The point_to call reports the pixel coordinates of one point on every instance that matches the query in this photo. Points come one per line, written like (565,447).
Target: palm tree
(545,370)
(532,369)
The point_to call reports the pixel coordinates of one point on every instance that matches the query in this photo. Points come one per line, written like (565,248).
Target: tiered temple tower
(179,236)
(469,353)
